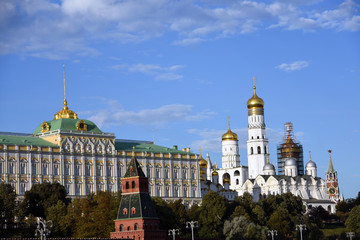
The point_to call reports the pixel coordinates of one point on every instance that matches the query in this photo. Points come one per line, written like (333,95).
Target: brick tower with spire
(136,218)
(332,186)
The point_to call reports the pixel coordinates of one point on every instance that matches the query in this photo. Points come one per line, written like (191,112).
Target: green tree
(211,215)
(280,221)
(57,214)
(165,213)
(240,228)
(353,221)
(41,197)
(7,203)
(179,210)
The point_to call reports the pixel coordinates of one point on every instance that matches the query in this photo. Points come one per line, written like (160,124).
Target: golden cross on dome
(254,82)
(310,155)
(228,121)
(200,151)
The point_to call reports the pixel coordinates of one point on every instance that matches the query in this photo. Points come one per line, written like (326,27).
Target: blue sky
(182,67)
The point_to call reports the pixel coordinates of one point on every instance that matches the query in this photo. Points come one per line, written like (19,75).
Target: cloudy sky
(178,69)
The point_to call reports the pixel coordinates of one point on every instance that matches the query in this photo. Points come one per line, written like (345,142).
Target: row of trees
(218,218)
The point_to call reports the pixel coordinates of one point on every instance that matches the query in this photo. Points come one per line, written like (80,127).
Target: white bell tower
(230,149)
(257,143)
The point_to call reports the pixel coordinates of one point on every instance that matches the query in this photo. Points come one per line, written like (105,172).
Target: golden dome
(255,101)
(229,135)
(202,163)
(226,180)
(65,112)
(215,173)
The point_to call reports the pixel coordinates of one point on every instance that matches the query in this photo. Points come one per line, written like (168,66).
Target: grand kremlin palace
(77,154)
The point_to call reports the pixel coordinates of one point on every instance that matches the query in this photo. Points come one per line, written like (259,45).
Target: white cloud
(115,114)
(294,66)
(159,72)
(56,29)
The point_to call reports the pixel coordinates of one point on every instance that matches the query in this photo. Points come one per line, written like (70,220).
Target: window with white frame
(56,169)
(33,168)
(45,169)
(88,170)
(11,168)
(67,169)
(108,170)
(22,168)
(77,170)
(99,170)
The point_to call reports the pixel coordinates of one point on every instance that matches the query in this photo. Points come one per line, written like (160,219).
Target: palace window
(192,174)
(11,168)
(22,188)
(33,168)
(1,167)
(99,170)
(258,150)
(121,228)
(22,168)
(136,227)
(67,169)
(175,173)
(184,174)
(78,189)
(88,188)
(88,170)
(118,170)
(56,169)
(167,191)
(251,150)
(158,191)
(185,192)
(127,186)
(193,192)
(157,173)
(45,169)
(108,171)
(77,170)
(133,185)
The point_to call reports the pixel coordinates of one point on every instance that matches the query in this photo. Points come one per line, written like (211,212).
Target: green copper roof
(134,169)
(68,124)
(142,204)
(145,147)
(25,141)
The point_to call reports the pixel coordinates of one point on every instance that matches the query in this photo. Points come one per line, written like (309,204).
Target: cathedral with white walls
(259,178)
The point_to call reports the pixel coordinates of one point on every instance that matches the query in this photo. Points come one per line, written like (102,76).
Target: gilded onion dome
(226,180)
(255,101)
(202,163)
(255,104)
(65,112)
(229,135)
(215,173)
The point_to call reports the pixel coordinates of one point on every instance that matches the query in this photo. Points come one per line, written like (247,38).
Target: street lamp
(301,227)
(273,233)
(173,232)
(192,225)
(350,235)
(43,228)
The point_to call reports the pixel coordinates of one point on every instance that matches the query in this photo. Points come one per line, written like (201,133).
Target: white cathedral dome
(310,164)
(269,166)
(290,162)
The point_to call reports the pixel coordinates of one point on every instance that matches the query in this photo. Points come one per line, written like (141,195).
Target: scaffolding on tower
(290,148)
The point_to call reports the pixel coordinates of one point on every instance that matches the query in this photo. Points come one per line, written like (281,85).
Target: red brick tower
(332,187)
(137,218)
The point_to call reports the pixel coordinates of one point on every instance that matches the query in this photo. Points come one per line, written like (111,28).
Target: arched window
(237,173)
(136,226)
(125,211)
(257,137)
(258,150)
(251,150)
(265,150)
(121,228)
(237,181)
(133,210)
(127,185)
(128,228)
(133,184)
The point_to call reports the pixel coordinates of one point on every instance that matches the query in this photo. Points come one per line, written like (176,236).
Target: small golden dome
(226,180)
(255,101)
(215,173)
(202,179)
(65,112)
(229,135)
(202,163)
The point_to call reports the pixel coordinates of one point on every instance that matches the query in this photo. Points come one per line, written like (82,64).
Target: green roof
(134,169)
(25,141)
(145,147)
(68,124)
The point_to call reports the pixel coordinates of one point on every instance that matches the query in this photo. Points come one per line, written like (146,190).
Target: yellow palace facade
(77,154)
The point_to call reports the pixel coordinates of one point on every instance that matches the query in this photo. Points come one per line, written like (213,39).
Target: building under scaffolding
(290,149)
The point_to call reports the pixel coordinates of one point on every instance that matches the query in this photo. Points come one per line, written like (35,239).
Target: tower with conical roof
(230,149)
(136,218)
(332,186)
(257,143)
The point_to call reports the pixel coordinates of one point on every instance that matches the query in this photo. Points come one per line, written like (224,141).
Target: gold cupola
(202,163)
(255,104)
(229,135)
(65,112)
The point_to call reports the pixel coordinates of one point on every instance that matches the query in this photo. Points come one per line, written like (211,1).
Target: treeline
(218,218)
